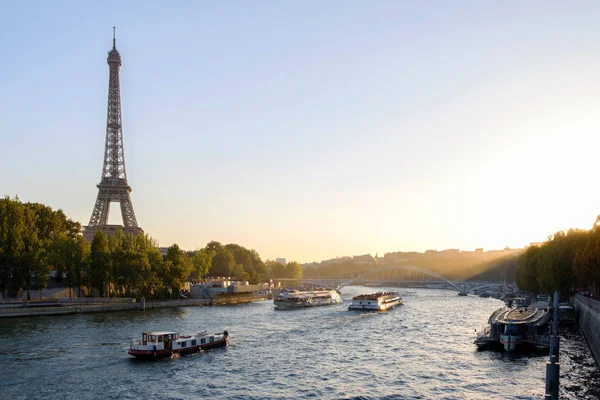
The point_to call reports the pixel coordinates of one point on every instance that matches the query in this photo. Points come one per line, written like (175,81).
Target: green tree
(100,263)
(276,270)
(178,268)
(528,269)
(222,263)
(294,270)
(12,246)
(240,273)
(202,261)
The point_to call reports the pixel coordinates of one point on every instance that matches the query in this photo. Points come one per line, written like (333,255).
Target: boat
(164,344)
(566,314)
(301,299)
(381,301)
(519,327)
(521,301)
(463,293)
(484,295)
(508,300)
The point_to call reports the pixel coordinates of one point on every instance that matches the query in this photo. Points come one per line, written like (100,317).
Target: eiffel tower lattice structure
(113,186)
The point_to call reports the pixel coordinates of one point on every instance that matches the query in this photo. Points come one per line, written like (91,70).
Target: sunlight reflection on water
(423,349)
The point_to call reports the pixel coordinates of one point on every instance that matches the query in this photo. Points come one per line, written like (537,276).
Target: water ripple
(421,350)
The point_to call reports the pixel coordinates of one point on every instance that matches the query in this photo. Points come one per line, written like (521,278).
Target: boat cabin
(159,337)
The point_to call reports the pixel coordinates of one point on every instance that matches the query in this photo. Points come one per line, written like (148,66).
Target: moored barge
(515,328)
(381,301)
(164,344)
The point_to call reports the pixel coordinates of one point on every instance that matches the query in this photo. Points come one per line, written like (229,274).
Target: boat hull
(293,306)
(363,307)
(157,354)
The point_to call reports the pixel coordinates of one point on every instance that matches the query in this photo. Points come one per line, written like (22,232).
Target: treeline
(33,238)
(36,241)
(462,266)
(567,261)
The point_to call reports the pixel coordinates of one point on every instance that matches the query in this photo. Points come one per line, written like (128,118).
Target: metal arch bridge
(383,269)
(507,285)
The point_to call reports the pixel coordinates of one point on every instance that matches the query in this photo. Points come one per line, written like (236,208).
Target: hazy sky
(312,129)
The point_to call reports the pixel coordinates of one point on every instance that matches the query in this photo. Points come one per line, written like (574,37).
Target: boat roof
(158,333)
(307,292)
(523,315)
(374,296)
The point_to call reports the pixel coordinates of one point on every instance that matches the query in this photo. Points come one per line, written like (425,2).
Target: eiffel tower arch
(113,186)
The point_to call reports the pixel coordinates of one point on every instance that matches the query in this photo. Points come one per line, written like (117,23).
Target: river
(421,350)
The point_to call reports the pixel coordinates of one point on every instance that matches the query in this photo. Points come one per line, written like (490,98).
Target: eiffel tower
(113,186)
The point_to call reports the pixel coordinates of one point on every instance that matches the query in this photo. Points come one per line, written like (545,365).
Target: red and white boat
(164,344)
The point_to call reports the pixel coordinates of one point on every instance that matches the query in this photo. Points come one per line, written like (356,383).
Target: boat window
(202,341)
(183,344)
(512,329)
(193,342)
(144,338)
(211,339)
(160,338)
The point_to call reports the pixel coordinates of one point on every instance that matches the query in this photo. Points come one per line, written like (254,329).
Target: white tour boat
(301,299)
(375,301)
(164,344)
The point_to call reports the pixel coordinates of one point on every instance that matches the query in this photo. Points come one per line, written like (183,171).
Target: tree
(276,270)
(178,268)
(294,270)
(527,269)
(12,227)
(222,263)
(100,263)
(202,261)
(240,273)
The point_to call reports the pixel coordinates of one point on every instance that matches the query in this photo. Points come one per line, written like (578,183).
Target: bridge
(390,275)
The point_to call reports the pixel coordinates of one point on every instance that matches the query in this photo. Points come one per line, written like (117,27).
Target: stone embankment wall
(102,305)
(588,315)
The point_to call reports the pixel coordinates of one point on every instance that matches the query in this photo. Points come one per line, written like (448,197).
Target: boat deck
(522,315)
(375,296)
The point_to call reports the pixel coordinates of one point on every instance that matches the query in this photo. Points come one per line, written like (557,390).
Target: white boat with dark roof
(164,344)
(380,301)
(302,299)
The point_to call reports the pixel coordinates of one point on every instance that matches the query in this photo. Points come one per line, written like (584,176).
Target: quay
(588,315)
(100,305)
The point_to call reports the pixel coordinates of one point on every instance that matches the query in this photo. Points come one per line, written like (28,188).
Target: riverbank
(588,315)
(94,306)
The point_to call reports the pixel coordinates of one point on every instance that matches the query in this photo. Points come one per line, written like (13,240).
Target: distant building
(363,259)
(450,251)
(281,260)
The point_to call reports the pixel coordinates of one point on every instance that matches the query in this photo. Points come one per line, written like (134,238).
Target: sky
(310,130)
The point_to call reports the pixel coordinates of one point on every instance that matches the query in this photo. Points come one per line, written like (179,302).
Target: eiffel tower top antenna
(114,38)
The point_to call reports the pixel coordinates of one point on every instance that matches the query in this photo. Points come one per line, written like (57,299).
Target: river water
(421,350)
